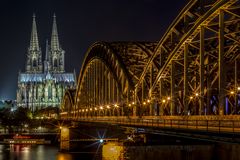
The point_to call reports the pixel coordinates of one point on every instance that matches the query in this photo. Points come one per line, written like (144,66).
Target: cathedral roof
(40,77)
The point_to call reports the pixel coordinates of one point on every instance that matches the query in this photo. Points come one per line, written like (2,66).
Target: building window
(55,63)
(34,63)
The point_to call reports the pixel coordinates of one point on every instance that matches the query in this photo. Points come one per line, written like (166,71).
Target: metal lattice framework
(192,70)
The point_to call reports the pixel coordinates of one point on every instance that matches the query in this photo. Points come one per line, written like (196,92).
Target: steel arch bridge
(192,70)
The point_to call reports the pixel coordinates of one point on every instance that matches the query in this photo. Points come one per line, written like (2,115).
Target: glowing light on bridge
(101,140)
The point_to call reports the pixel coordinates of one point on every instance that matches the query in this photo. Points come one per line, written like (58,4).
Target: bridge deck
(207,125)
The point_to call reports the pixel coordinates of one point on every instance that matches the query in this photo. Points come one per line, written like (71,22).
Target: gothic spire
(34,45)
(47,54)
(54,38)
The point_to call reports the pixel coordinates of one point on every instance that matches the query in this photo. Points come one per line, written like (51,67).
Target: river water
(116,151)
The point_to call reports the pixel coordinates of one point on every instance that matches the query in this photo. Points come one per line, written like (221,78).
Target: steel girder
(108,75)
(193,70)
(67,106)
(193,77)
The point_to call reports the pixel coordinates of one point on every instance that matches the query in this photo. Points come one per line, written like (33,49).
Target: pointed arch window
(49,92)
(34,62)
(55,62)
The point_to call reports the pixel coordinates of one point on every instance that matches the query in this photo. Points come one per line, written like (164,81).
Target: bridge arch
(106,81)
(67,105)
(192,70)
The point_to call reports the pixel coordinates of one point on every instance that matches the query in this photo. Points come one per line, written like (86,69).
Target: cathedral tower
(34,55)
(56,61)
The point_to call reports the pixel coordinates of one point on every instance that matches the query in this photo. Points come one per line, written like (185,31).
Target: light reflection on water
(27,152)
(109,151)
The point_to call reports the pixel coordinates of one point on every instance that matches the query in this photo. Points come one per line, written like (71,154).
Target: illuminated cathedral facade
(44,81)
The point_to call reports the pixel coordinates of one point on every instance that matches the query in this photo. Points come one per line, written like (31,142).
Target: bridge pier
(88,137)
(64,139)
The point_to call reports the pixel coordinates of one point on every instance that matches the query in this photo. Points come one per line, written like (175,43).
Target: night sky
(80,23)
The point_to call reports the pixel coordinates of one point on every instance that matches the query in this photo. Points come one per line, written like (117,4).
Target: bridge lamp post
(198,95)
(169,99)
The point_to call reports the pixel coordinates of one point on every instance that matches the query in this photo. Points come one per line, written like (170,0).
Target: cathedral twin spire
(54,58)
(34,45)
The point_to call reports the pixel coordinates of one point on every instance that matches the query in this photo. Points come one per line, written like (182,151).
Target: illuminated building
(43,83)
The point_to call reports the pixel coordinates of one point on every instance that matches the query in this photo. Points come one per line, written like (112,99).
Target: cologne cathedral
(44,81)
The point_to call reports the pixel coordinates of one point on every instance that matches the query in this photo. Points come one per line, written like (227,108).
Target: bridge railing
(207,125)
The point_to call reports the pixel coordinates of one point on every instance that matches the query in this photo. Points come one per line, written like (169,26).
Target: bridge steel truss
(192,70)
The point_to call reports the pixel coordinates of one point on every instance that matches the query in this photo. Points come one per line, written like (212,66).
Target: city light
(144,103)
(101,140)
(191,97)
(101,107)
(148,100)
(168,98)
(196,94)
(133,103)
(95,108)
(231,92)
(164,101)
(238,88)
(108,107)
(129,104)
